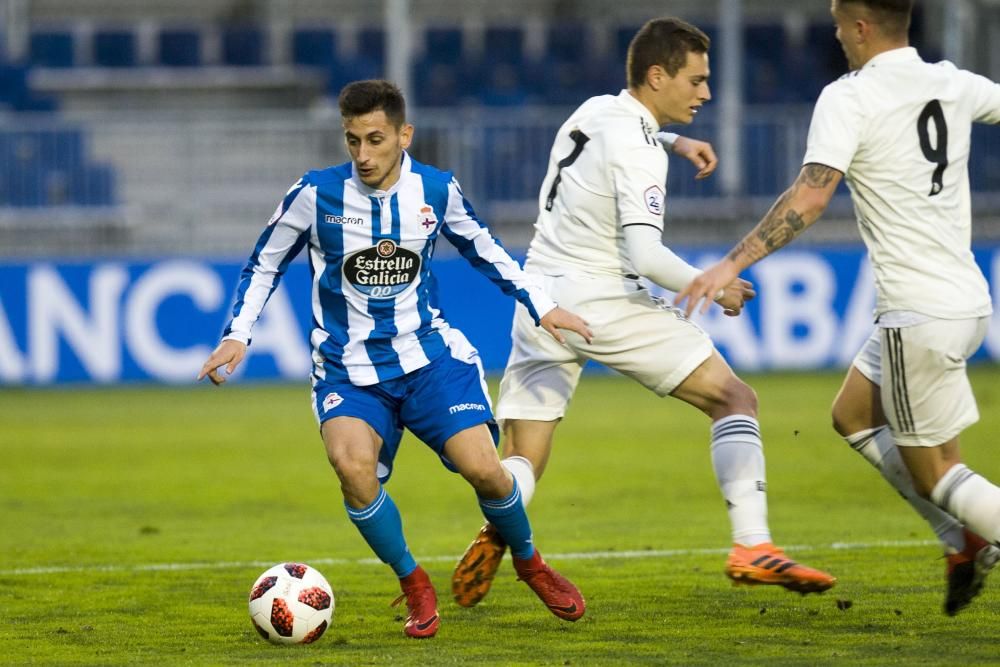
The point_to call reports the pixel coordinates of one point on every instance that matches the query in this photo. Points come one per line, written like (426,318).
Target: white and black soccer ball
(291,603)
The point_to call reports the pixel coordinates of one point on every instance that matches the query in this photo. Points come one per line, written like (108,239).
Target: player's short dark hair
(361,97)
(892,15)
(665,42)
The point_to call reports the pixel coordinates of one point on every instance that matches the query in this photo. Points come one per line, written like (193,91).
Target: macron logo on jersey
(654,199)
(462,407)
(344,220)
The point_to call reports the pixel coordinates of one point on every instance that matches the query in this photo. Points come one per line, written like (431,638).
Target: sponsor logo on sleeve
(654,199)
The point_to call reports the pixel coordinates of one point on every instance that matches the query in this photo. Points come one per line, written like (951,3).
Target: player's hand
(708,285)
(229,354)
(699,153)
(557,319)
(735,295)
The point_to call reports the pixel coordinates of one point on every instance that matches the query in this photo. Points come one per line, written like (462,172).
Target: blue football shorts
(434,402)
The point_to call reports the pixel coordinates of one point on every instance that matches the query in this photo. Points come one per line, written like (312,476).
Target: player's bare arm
(558,318)
(795,210)
(699,153)
(229,353)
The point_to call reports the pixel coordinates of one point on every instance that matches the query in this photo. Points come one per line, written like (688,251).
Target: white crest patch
(654,199)
(331,401)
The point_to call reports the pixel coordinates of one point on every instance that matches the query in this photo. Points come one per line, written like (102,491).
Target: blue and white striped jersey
(374,297)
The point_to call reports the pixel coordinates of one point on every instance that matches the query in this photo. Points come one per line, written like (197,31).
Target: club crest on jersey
(331,401)
(382,271)
(654,199)
(427,217)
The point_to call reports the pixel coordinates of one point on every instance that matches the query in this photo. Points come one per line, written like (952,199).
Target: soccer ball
(291,603)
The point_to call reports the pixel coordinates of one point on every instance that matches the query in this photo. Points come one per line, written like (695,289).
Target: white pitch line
(579,555)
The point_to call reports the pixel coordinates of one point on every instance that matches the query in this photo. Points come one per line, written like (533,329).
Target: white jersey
(899,129)
(607,170)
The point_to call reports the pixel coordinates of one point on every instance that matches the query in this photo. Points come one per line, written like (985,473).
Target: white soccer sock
(972,499)
(738,459)
(524,473)
(879,449)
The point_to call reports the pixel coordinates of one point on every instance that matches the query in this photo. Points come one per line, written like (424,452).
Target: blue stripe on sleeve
(246,275)
(468,250)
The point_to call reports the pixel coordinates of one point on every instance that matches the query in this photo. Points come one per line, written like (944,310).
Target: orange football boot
(767,564)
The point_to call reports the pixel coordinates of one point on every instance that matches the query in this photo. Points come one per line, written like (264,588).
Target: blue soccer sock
(382,528)
(511,521)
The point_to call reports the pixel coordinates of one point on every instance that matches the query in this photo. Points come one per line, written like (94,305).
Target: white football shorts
(635,333)
(921,373)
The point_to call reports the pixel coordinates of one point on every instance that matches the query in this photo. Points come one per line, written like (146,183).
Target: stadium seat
(436,84)
(443,45)
(242,46)
(114,48)
(314,47)
(566,42)
(16,95)
(504,45)
(371,46)
(92,186)
(51,49)
(179,48)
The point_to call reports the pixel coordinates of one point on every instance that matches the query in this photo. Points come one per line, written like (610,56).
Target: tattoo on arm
(818,175)
(783,222)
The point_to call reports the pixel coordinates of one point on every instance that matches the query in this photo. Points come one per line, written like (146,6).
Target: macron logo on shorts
(462,407)
(331,401)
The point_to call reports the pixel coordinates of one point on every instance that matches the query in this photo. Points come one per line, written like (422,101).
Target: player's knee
(489,481)
(739,397)
(350,467)
(845,420)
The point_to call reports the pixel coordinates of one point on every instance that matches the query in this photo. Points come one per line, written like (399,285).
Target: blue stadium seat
(51,49)
(179,48)
(437,84)
(114,48)
(15,93)
(566,42)
(505,45)
(762,139)
(371,46)
(242,46)
(443,45)
(92,186)
(503,84)
(49,168)
(352,69)
(314,47)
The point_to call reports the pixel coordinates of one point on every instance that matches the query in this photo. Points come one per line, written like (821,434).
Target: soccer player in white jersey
(599,229)
(384,358)
(899,129)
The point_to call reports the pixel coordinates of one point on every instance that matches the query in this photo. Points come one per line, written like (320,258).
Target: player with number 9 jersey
(899,129)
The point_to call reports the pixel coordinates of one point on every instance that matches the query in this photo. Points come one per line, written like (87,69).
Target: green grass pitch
(135,520)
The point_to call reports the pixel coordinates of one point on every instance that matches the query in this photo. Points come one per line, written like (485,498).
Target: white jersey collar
(631,102)
(899,55)
(404,169)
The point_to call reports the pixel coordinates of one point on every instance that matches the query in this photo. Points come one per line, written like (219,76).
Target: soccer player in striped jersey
(600,227)
(384,358)
(899,129)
